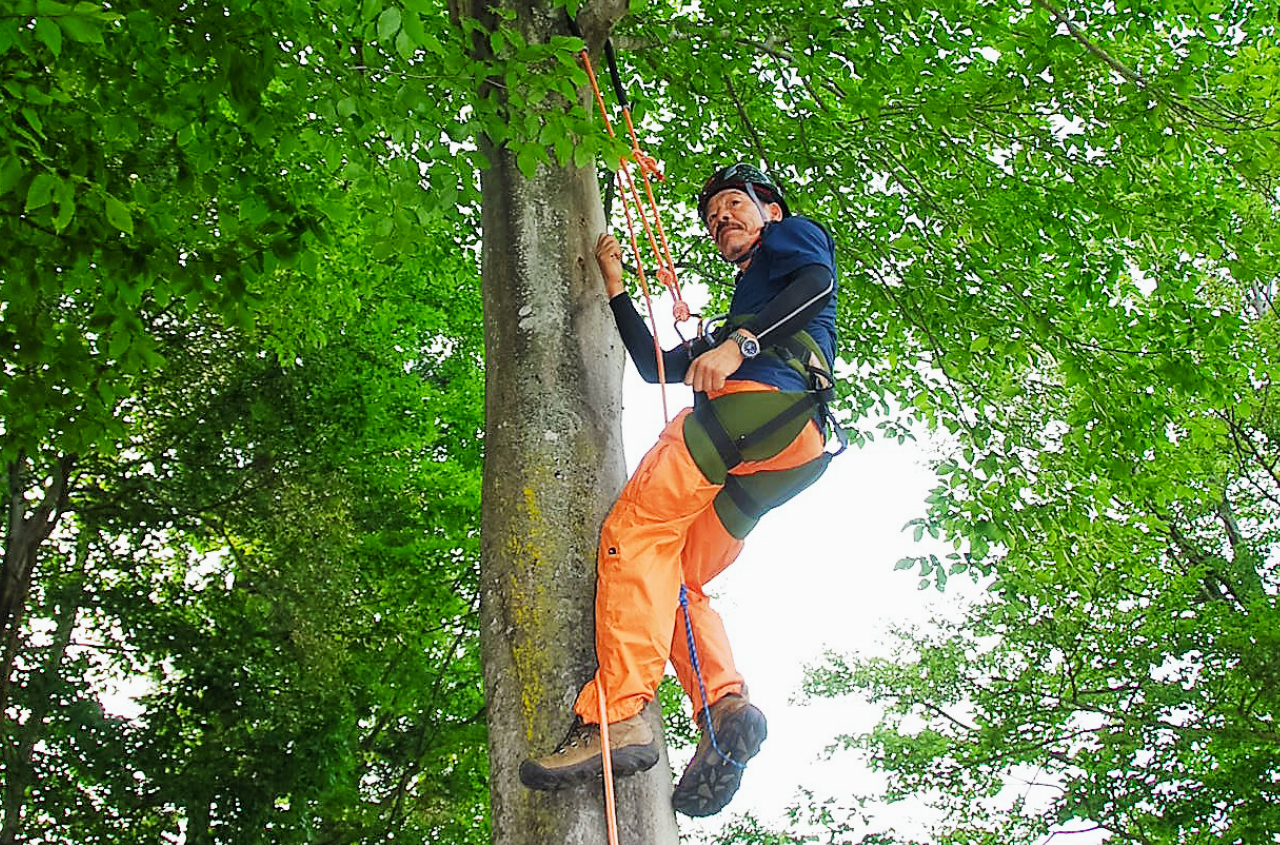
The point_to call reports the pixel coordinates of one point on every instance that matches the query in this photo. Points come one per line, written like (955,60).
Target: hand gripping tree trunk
(553,465)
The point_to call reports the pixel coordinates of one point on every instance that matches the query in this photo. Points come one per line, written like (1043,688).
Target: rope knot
(648,164)
(679,308)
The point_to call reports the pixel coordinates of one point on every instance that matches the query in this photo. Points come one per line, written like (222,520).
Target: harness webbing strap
(744,500)
(720,437)
(619,90)
(804,405)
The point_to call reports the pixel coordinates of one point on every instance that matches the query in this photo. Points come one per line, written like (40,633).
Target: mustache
(723,226)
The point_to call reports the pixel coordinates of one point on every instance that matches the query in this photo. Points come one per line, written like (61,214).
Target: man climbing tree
(753,440)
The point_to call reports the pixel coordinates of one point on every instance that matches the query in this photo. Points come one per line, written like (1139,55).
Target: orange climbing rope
(606,754)
(666,272)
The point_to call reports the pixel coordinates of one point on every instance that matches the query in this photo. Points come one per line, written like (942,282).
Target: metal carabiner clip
(707,327)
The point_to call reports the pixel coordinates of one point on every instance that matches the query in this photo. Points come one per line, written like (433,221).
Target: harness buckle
(708,327)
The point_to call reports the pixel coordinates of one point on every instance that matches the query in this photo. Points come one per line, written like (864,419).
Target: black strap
(803,405)
(720,438)
(822,386)
(744,501)
(618,90)
(795,353)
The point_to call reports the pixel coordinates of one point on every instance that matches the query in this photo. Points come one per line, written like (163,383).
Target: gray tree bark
(553,466)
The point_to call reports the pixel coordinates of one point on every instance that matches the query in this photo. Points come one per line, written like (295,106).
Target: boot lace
(580,733)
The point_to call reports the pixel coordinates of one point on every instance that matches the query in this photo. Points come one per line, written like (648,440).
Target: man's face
(734,222)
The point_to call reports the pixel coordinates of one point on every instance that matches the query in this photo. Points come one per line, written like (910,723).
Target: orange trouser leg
(665,508)
(639,575)
(709,550)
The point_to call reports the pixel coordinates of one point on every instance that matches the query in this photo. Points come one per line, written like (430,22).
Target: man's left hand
(710,369)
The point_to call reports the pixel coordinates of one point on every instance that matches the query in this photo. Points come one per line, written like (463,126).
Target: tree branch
(746,123)
(1093,49)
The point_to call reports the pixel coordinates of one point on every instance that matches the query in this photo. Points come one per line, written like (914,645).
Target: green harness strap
(756,425)
(746,498)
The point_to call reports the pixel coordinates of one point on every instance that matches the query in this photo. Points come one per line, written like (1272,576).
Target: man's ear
(774,210)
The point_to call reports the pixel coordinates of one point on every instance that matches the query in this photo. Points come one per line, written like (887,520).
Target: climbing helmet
(743,177)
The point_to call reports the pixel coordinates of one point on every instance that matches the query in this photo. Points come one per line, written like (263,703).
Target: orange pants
(663,531)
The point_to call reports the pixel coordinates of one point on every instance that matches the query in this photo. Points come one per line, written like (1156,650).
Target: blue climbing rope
(702,689)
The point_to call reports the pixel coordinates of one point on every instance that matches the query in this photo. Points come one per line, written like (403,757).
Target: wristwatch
(748,346)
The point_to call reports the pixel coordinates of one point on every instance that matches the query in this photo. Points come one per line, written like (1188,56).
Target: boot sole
(627,761)
(707,788)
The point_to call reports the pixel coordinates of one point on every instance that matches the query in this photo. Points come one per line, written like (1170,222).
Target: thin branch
(1093,49)
(746,122)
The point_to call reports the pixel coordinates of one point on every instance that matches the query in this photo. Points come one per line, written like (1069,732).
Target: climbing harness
(724,432)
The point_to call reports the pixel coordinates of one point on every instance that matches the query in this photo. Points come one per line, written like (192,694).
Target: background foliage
(242,429)
(1058,230)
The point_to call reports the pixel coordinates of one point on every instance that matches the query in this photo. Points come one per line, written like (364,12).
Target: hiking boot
(710,781)
(577,758)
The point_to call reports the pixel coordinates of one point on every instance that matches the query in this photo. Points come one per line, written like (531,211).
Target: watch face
(750,348)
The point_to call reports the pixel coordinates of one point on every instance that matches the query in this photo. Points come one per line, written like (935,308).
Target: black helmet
(742,177)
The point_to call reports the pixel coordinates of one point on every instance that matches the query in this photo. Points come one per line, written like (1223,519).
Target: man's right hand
(609,257)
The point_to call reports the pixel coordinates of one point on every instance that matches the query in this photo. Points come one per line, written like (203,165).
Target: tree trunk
(21,737)
(553,466)
(26,527)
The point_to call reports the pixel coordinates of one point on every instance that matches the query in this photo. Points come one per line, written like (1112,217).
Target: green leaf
(33,118)
(116,346)
(118,215)
(527,160)
(388,23)
(104,388)
(10,173)
(405,46)
(413,28)
(80,28)
(66,205)
(40,192)
(50,34)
